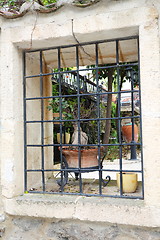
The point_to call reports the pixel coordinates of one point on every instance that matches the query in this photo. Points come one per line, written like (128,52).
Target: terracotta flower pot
(127,132)
(129,180)
(89,157)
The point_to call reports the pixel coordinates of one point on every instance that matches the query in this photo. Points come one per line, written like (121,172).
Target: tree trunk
(108,111)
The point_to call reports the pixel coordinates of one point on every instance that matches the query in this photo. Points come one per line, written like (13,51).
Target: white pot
(129,182)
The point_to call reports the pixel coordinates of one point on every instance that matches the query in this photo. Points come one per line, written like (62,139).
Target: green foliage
(113,114)
(15,4)
(47,2)
(11,4)
(66,107)
(113,153)
(69,106)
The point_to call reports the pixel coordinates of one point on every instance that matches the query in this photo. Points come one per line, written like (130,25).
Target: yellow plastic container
(129,180)
(67,136)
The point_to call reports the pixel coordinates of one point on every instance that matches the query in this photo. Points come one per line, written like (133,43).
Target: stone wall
(61,217)
(43,229)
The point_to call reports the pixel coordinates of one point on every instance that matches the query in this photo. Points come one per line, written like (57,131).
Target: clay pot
(89,157)
(127,132)
(67,138)
(129,182)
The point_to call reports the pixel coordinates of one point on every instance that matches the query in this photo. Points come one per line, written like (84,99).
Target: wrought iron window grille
(88,99)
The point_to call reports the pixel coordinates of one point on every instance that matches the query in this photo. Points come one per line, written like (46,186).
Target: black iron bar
(141,136)
(90,145)
(84,170)
(88,195)
(42,124)
(85,43)
(25,125)
(98,121)
(82,94)
(60,112)
(83,120)
(81,70)
(119,120)
(133,147)
(78,120)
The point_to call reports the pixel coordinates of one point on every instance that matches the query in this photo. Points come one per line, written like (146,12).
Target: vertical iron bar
(25,125)
(119,115)
(98,121)
(132,147)
(141,137)
(132,103)
(42,118)
(60,111)
(79,136)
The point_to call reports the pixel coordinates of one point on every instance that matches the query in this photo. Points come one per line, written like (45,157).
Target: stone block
(27,224)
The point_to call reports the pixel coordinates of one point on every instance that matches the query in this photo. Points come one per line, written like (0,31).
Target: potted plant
(88,155)
(77,156)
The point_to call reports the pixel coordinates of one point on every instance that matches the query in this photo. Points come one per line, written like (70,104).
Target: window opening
(82,119)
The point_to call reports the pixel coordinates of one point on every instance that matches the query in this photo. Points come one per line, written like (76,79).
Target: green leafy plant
(69,107)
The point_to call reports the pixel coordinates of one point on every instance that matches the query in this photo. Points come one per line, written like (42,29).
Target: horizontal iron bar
(81,70)
(120,65)
(83,94)
(80,145)
(84,43)
(83,120)
(87,195)
(82,170)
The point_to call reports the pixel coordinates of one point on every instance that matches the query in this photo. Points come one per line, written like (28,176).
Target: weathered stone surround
(107,19)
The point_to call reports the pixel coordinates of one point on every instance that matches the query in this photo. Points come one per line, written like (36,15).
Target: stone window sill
(120,211)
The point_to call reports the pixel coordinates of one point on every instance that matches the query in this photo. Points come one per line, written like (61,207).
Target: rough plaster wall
(11,118)
(18,229)
(150,75)
(11,139)
(0,140)
(62,19)
(40,229)
(2,218)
